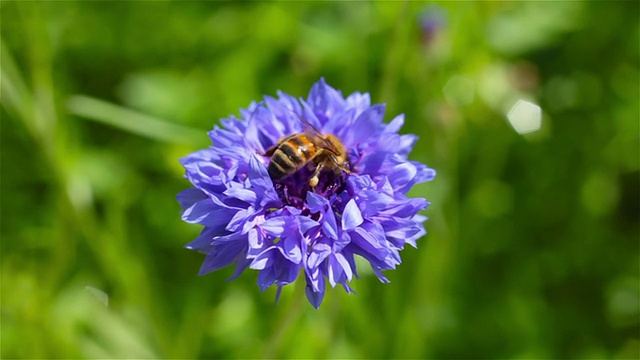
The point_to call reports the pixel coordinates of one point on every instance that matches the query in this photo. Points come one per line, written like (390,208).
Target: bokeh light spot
(459,90)
(525,117)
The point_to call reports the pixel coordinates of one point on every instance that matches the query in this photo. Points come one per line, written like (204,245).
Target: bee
(294,152)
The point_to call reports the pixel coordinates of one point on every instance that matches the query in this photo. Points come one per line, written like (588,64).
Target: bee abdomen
(284,161)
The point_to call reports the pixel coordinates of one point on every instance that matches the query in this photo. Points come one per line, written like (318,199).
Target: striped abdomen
(291,154)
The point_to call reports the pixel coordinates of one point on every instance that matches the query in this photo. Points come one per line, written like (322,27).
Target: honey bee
(293,152)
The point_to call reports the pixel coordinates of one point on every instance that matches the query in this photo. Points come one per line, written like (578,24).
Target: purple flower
(433,20)
(280,227)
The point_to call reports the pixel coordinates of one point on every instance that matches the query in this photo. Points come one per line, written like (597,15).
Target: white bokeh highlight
(525,117)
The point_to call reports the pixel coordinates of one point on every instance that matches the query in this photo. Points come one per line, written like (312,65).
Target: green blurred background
(532,249)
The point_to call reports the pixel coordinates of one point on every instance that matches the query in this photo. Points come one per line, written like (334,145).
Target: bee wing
(315,135)
(321,142)
(306,125)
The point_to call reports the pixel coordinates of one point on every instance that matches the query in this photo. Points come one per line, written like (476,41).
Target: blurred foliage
(532,249)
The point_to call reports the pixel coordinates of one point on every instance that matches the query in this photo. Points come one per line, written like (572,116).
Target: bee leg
(340,166)
(313,182)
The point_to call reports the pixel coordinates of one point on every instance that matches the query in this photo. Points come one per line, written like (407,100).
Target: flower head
(282,226)
(433,20)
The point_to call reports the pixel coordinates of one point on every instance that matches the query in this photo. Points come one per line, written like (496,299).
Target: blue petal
(335,271)
(204,240)
(325,99)
(264,260)
(365,126)
(341,242)
(412,240)
(338,269)
(348,255)
(281,112)
(316,202)
(289,102)
(258,174)
(406,143)
(260,133)
(315,278)
(345,265)
(375,202)
(207,213)
(405,208)
(266,278)
(287,272)
(242,194)
(380,275)
(320,251)
(256,243)
(290,247)
(239,219)
(360,182)
(351,216)
(358,101)
(374,163)
(189,197)
(395,124)
(402,175)
(307,224)
(368,239)
(274,226)
(424,173)
(315,298)
(241,264)
(222,255)
(329,226)
(340,123)
(399,230)
(371,242)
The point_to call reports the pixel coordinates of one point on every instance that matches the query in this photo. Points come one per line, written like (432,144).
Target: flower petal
(223,255)
(316,202)
(204,240)
(264,260)
(351,216)
(365,126)
(395,124)
(329,226)
(402,175)
(334,271)
(274,226)
(345,265)
(243,194)
(206,213)
(290,247)
(189,197)
(266,278)
(324,99)
(256,243)
(239,219)
(319,251)
(315,297)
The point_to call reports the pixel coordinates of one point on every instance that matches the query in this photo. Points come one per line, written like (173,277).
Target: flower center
(293,189)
